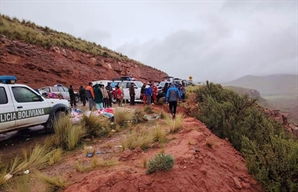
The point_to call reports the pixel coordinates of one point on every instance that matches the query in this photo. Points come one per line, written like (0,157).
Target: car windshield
(138,83)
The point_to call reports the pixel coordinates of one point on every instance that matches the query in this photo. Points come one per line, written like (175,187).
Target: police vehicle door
(31,108)
(7,110)
(63,91)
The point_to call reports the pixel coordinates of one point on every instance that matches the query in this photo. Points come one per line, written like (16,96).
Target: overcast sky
(209,40)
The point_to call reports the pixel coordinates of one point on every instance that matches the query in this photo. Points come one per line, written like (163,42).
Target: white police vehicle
(22,107)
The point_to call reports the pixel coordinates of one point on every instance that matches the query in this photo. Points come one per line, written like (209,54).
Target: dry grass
(56,182)
(210,143)
(148,109)
(122,116)
(96,125)
(55,156)
(95,163)
(163,114)
(175,124)
(142,139)
(159,133)
(67,135)
(37,159)
(74,135)
(19,184)
(139,116)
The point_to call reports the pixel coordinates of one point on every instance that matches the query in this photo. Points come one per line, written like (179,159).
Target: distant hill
(252,93)
(279,84)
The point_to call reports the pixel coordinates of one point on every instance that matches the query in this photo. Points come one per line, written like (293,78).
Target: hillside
(40,56)
(280,84)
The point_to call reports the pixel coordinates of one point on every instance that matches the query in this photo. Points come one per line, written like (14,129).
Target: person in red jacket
(155,91)
(118,95)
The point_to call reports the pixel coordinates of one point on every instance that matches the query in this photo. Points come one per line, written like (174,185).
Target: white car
(59,89)
(22,107)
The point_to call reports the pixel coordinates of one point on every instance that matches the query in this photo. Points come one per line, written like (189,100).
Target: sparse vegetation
(139,116)
(160,162)
(19,184)
(148,109)
(159,134)
(97,126)
(140,139)
(271,153)
(31,33)
(55,182)
(80,167)
(67,135)
(175,124)
(122,117)
(55,156)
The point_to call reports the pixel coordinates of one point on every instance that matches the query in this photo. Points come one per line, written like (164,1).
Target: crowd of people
(100,96)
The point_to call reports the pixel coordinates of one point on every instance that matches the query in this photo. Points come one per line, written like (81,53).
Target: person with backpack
(172,97)
(183,93)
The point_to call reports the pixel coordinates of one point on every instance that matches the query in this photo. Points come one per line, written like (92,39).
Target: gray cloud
(218,41)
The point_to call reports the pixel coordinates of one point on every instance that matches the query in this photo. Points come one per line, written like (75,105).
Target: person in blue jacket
(172,97)
(148,92)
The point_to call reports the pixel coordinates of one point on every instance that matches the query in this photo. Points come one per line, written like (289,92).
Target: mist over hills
(277,84)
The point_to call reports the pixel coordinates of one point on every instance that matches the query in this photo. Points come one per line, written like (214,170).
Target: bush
(122,117)
(271,154)
(97,126)
(67,135)
(159,163)
(175,124)
(136,139)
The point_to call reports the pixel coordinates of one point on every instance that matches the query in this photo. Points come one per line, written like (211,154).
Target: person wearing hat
(172,97)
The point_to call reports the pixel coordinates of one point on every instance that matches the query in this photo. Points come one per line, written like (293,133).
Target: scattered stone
(237,183)
(138,150)
(126,154)
(87,139)
(204,171)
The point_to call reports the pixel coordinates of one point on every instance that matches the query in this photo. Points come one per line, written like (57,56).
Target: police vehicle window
(60,89)
(3,97)
(23,95)
(55,89)
(65,89)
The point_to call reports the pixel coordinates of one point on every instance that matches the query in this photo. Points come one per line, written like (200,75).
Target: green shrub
(271,154)
(160,162)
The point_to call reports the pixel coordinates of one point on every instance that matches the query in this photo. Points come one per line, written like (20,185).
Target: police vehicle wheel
(50,125)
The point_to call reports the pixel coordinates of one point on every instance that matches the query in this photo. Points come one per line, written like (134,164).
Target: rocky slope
(37,66)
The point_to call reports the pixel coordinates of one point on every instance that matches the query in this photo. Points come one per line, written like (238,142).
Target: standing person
(148,94)
(109,89)
(82,93)
(172,96)
(183,93)
(98,98)
(122,94)
(90,95)
(72,96)
(118,94)
(165,89)
(154,92)
(132,94)
(105,95)
(143,93)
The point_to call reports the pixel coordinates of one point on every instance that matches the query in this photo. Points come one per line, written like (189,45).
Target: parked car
(22,107)
(60,90)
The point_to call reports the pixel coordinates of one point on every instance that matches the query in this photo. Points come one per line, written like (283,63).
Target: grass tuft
(160,162)
(97,126)
(122,116)
(142,139)
(55,156)
(159,134)
(175,124)
(56,182)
